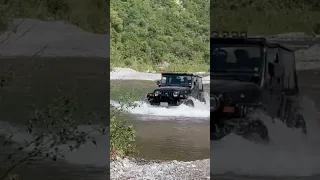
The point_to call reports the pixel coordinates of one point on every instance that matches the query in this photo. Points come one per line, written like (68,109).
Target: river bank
(133,168)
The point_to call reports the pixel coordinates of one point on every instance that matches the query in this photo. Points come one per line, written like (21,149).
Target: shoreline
(137,168)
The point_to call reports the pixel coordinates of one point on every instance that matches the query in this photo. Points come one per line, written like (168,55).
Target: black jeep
(250,74)
(176,89)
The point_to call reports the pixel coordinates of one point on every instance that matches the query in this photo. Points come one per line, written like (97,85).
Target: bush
(122,137)
(148,33)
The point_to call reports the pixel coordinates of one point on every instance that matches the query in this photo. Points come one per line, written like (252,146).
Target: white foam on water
(289,154)
(87,154)
(200,110)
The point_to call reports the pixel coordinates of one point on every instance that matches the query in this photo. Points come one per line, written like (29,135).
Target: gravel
(130,168)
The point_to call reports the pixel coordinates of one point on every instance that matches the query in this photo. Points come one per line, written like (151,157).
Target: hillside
(266,17)
(154,34)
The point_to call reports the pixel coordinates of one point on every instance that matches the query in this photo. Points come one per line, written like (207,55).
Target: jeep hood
(173,88)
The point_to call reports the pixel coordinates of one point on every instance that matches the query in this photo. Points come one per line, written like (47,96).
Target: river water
(180,133)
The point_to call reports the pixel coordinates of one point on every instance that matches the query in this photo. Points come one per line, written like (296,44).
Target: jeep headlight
(176,94)
(156,93)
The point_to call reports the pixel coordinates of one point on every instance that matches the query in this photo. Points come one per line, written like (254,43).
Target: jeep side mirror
(159,83)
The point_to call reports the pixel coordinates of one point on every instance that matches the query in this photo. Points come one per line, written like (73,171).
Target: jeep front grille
(167,93)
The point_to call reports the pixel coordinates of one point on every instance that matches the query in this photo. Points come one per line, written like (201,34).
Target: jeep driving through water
(249,75)
(175,89)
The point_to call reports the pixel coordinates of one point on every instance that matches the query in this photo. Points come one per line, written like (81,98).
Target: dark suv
(175,89)
(250,74)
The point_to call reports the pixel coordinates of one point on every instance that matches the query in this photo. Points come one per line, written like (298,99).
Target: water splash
(200,110)
(289,154)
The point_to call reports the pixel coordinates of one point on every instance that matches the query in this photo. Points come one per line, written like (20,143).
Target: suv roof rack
(178,73)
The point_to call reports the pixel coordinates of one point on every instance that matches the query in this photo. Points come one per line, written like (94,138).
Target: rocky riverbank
(131,168)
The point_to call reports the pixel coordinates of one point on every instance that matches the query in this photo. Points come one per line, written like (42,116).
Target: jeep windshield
(236,61)
(180,80)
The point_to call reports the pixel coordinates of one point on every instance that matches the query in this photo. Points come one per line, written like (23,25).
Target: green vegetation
(266,17)
(122,135)
(161,35)
(122,138)
(91,15)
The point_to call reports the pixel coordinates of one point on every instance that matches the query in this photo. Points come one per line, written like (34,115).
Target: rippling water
(180,133)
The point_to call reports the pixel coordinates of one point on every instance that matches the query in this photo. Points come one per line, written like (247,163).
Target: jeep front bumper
(160,99)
